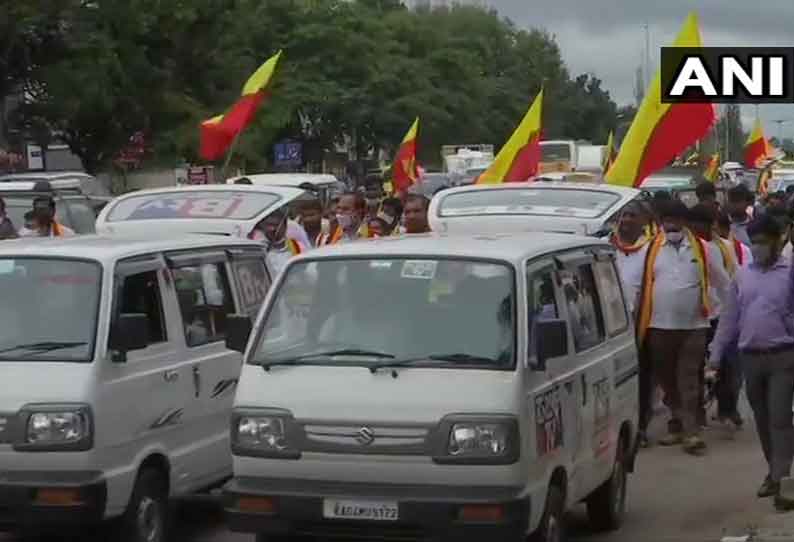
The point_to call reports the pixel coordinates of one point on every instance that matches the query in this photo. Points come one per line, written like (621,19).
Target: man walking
(740,199)
(673,311)
(758,314)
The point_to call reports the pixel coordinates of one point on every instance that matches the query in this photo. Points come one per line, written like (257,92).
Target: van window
(141,295)
(204,300)
(252,284)
(541,302)
(584,311)
(445,313)
(617,321)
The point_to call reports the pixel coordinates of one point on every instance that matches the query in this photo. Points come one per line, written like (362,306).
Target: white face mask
(674,237)
(346,222)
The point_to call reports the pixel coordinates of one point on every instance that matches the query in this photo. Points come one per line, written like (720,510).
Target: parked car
(562,206)
(117,385)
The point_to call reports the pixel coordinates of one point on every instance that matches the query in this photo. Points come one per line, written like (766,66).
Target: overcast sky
(607,37)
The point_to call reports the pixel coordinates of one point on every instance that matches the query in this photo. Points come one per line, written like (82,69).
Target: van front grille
(365,438)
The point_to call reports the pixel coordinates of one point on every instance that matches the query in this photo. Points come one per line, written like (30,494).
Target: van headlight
(263,433)
(56,428)
(479,440)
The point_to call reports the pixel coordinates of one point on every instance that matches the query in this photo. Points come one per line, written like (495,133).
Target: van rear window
(231,205)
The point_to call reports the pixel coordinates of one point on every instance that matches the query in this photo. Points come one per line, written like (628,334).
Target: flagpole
(229,155)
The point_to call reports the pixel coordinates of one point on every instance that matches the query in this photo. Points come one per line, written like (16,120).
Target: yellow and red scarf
(294,247)
(728,257)
(331,238)
(646,290)
(646,237)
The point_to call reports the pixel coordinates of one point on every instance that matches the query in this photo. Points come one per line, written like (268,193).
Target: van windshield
(48,309)
(429,312)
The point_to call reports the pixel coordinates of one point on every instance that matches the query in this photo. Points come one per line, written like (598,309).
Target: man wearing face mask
(279,247)
(702,221)
(350,212)
(740,199)
(673,311)
(758,314)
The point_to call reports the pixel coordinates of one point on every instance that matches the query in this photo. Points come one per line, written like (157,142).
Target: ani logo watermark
(728,75)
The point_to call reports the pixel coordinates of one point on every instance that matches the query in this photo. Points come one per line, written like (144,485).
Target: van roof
(44,176)
(107,248)
(513,247)
(288,179)
(39,185)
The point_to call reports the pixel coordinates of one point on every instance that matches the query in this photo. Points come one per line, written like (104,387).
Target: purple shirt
(758,310)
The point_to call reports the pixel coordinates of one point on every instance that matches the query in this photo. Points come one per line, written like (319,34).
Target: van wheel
(145,519)
(606,506)
(268,538)
(552,524)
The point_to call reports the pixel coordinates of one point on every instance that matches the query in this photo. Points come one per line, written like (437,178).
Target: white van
(116,382)
(436,386)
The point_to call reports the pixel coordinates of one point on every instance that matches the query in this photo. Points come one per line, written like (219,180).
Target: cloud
(607,37)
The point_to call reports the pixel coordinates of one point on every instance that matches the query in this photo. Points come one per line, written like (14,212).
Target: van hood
(418,395)
(42,382)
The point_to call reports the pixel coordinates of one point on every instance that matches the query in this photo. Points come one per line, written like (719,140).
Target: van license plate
(361,510)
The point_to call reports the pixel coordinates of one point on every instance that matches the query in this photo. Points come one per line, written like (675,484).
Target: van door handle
(171,376)
(197,379)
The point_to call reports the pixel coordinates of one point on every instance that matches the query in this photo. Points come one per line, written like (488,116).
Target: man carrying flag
(756,149)
(661,131)
(518,160)
(405,168)
(218,133)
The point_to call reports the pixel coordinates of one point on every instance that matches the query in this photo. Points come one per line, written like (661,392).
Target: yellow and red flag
(661,131)
(712,172)
(518,160)
(610,153)
(218,133)
(405,171)
(756,148)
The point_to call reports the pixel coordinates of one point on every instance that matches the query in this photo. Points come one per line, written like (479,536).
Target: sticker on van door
(548,421)
(601,396)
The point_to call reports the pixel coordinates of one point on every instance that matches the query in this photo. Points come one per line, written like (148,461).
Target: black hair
(780,214)
(395,203)
(723,219)
(662,195)
(2,204)
(765,225)
(28,216)
(417,197)
(279,213)
(243,180)
(360,202)
(673,209)
(312,203)
(790,189)
(702,214)
(38,201)
(777,195)
(705,189)
(740,193)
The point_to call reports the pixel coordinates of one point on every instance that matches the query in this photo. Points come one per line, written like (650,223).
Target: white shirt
(297,233)
(277,259)
(676,287)
(786,253)
(630,267)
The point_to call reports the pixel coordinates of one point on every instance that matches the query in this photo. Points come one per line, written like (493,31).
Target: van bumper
(425,512)
(82,493)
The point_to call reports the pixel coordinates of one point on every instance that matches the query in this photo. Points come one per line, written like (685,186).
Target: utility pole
(647,56)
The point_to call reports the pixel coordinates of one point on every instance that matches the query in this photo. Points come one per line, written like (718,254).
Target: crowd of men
(347,218)
(40,221)
(711,289)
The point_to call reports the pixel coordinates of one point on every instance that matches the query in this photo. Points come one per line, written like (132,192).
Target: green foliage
(353,72)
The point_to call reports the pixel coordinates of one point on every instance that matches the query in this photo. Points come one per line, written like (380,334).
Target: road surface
(673,497)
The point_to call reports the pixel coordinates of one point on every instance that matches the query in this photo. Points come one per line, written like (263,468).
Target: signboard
(35,157)
(288,153)
(201,175)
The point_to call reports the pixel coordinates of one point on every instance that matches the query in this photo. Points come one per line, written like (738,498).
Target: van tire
(606,506)
(552,524)
(268,538)
(146,517)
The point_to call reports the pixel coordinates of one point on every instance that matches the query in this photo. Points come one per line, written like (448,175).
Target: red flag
(405,169)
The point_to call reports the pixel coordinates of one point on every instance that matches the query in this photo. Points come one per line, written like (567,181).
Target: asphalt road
(673,497)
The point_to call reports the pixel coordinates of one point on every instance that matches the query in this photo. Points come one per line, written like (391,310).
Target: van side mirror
(551,340)
(129,333)
(238,329)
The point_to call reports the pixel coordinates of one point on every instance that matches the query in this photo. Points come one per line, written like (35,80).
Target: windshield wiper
(458,358)
(301,360)
(44,346)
